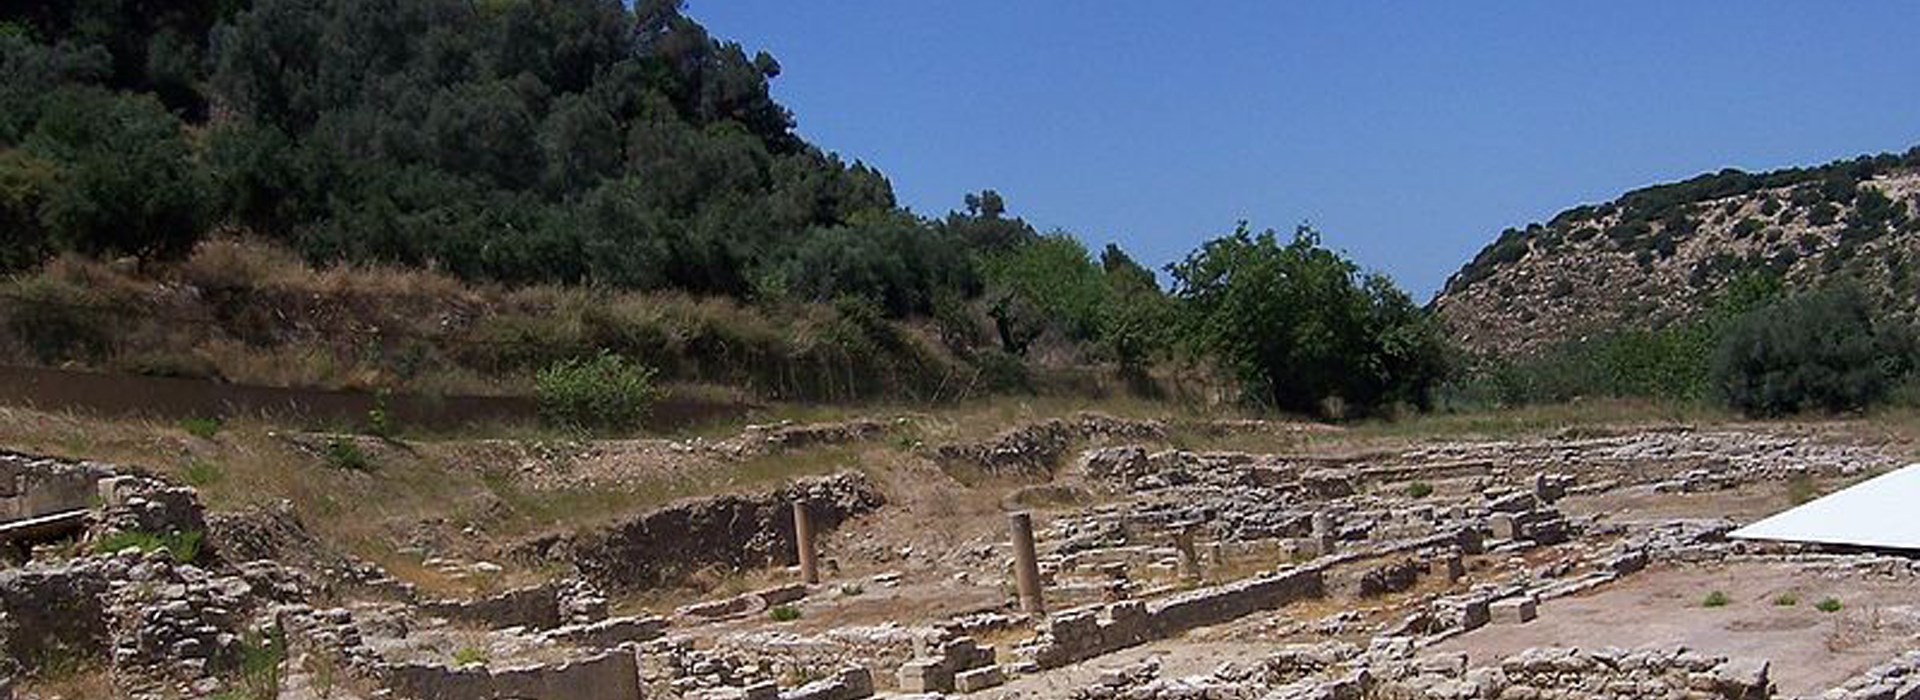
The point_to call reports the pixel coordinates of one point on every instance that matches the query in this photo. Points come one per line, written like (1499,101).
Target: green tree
(1817,351)
(1302,328)
(126,181)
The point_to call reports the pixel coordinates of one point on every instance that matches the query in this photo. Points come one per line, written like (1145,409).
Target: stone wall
(732,532)
(52,614)
(32,486)
(609,675)
(1078,635)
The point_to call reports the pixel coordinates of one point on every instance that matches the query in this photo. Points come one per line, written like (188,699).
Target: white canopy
(1880,512)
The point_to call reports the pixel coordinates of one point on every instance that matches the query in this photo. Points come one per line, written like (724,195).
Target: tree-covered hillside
(578,144)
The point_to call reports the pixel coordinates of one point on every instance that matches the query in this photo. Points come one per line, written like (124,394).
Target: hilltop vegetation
(1772,293)
(1664,254)
(471,193)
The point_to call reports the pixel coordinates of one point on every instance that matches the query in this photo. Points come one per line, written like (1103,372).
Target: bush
(1828,605)
(602,392)
(783,613)
(201,427)
(1419,489)
(346,454)
(1716,599)
(1786,600)
(1820,351)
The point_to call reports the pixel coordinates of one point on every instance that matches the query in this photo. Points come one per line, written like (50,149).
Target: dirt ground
(1810,650)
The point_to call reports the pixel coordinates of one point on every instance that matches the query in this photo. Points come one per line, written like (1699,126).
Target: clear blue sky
(1408,133)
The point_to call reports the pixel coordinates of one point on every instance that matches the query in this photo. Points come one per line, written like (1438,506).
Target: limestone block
(925,676)
(1514,611)
(978,679)
(1503,526)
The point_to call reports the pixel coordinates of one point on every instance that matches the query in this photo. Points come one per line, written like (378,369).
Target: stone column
(803,539)
(1325,539)
(1026,564)
(1189,557)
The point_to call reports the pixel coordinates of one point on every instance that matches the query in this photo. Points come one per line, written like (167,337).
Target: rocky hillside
(1666,252)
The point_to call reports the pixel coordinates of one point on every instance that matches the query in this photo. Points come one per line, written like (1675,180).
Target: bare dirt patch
(1810,650)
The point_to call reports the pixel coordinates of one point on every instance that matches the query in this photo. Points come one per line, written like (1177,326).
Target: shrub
(602,392)
(203,428)
(346,454)
(783,613)
(1716,599)
(1419,489)
(183,547)
(1786,600)
(1828,605)
(1817,351)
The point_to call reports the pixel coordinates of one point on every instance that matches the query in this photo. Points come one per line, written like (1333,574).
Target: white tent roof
(1880,512)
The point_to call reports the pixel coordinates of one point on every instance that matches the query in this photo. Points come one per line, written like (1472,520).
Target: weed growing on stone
(184,547)
(469,656)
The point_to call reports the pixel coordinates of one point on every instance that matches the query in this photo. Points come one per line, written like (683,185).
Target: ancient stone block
(978,679)
(1514,611)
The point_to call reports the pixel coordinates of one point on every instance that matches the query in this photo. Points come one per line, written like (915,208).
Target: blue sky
(1408,133)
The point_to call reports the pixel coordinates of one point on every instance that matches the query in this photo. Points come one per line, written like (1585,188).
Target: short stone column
(1189,555)
(803,540)
(1026,563)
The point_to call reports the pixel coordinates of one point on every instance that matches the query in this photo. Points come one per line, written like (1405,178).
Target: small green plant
(204,428)
(469,656)
(346,454)
(183,547)
(1716,599)
(602,392)
(262,655)
(1786,600)
(380,419)
(201,473)
(783,613)
(1419,489)
(1828,605)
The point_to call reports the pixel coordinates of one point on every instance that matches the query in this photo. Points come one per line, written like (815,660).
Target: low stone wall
(733,532)
(1036,449)
(53,614)
(1576,673)
(1897,679)
(1074,636)
(609,675)
(32,486)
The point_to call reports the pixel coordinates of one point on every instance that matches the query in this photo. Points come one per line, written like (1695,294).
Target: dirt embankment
(730,533)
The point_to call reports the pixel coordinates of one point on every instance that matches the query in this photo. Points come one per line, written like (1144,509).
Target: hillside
(1666,252)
